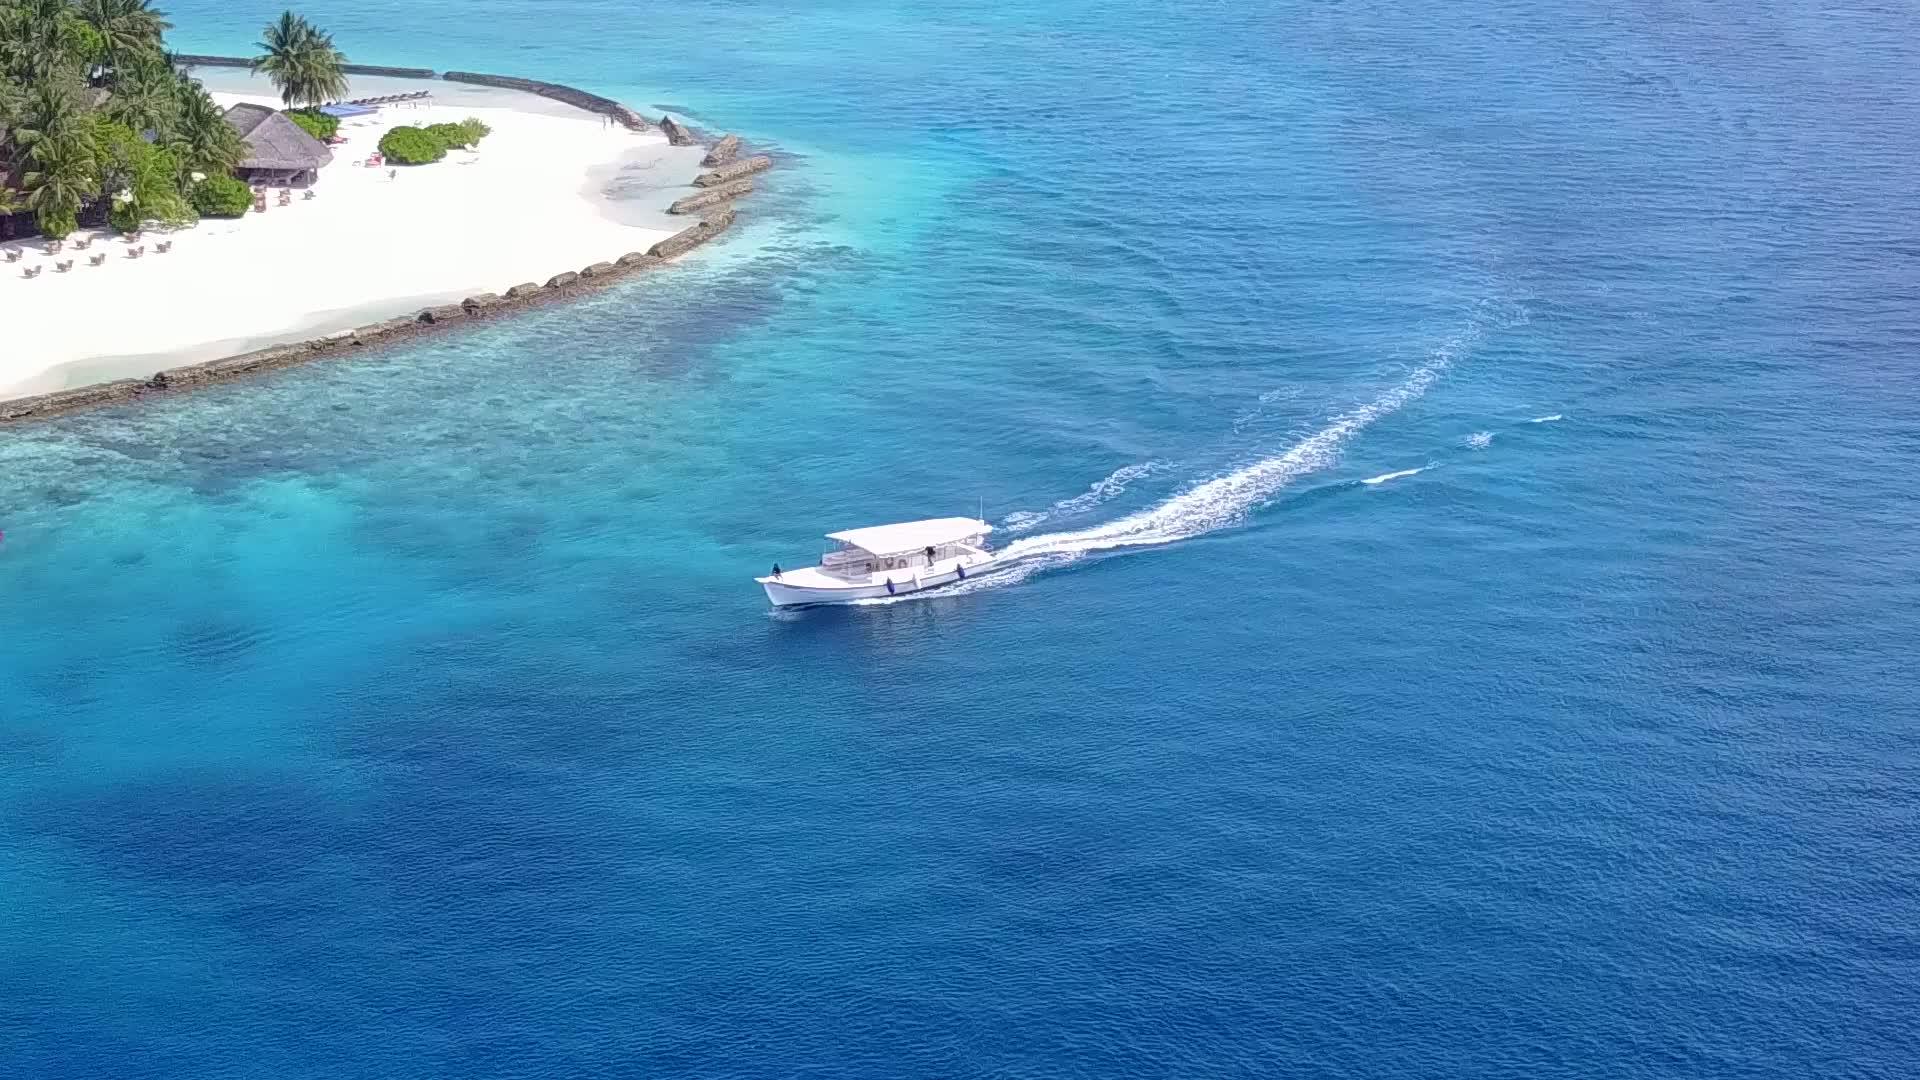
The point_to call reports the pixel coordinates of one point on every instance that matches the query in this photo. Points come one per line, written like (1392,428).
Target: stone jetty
(579,99)
(726,174)
(687,239)
(199,60)
(712,196)
(676,134)
(722,152)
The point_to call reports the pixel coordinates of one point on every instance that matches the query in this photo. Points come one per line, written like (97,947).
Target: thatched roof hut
(276,144)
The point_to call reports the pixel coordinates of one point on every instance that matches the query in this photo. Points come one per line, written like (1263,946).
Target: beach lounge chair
(13,254)
(63,267)
(82,245)
(163,247)
(311,194)
(134,253)
(32,271)
(97,260)
(54,246)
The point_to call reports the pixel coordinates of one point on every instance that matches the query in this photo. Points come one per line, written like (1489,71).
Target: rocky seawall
(199,60)
(675,133)
(712,196)
(722,152)
(713,201)
(727,174)
(579,99)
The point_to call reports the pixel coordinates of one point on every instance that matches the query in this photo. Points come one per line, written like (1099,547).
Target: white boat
(886,560)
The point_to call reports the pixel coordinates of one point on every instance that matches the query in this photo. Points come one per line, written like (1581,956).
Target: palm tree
(60,182)
(41,38)
(302,62)
(202,138)
(13,97)
(145,94)
(127,29)
(55,140)
(52,110)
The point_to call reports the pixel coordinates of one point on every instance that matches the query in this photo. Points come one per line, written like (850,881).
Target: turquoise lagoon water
(1467,460)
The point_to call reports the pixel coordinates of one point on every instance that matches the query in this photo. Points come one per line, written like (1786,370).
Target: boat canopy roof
(912,535)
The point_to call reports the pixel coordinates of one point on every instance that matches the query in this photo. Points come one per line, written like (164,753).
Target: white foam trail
(1262,404)
(1384,477)
(1544,419)
(1114,483)
(1225,500)
(1480,440)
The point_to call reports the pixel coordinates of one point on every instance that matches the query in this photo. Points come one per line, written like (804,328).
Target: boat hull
(783,594)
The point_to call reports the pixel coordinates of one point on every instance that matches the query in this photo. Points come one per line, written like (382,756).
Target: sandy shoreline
(530,204)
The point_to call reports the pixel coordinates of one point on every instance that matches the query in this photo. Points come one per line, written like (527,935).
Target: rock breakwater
(712,196)
(579,99)
(202,60)
(722,152)
(675,133)
(726,174)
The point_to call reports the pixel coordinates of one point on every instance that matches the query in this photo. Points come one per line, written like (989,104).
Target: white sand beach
(530,203)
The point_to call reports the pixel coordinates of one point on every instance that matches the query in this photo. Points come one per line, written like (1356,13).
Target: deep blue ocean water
(415,716)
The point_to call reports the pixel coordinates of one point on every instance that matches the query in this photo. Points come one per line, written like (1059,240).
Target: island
(167,221)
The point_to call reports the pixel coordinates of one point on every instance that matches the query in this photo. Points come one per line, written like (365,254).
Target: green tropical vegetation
(222,196)
(98,121)
(406,145)
(466,133)
(301,61)
(315,123)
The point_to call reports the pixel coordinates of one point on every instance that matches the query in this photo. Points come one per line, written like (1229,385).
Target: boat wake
(1384,477)
(1113,484)
(1545,419)
(1218,503)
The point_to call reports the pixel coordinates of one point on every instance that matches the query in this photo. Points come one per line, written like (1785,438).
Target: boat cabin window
(848,561)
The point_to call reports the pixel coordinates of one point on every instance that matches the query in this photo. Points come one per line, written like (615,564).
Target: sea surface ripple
(1464,464)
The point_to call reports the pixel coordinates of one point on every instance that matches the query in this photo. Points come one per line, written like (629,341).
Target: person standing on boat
(929,555)
(776,571)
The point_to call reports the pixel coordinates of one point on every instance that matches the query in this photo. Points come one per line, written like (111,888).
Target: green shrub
(466,133)
(412,146)
(221,196)
(315,123)
(56,223)
(125,216)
